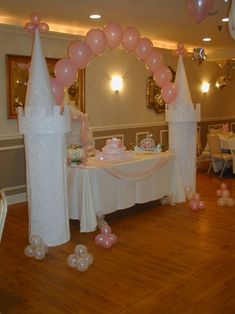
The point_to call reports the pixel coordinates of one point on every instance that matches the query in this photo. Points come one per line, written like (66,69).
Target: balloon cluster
(199,9)
(196,202)
(199,55)
(168,200)
(80,52)
(106,238)
(37,248)
(223,195)
(81,259)
(181,50)
(36,23)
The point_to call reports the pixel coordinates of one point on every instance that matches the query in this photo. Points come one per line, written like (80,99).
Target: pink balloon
(194,205)
(196,197)
(106,229)
(144,48)
(154,61)
(79,53)
(223,186)
(43,27)
(57,90)
(35,17)
(113,33)
(130,38)
(113,238)
(169,92)
(201,205)
(30,27)
(218,193)
(107,243)
(99,239)
(96,40)
(163,76)
(65,71)
(199,9)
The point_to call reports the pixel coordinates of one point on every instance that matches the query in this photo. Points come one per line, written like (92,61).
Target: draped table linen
(100,187)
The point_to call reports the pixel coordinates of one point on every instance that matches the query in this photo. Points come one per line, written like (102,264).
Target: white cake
(114,150)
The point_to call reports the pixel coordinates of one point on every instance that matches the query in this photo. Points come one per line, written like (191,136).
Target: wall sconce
(205,87)
(116,83)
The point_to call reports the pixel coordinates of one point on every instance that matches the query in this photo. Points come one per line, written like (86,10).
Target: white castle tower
(182,128)
(44,131)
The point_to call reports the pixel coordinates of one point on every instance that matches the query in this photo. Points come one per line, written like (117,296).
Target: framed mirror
(17,79)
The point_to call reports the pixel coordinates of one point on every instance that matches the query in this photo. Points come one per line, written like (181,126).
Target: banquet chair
(202,154)
(216,153)
(3,211)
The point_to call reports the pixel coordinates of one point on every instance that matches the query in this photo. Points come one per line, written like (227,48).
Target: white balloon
(221,201)
(82,264)
(40,253)
(71,260)
(230,201)
(29,251)
(80,250)
(89,258)
(36,240)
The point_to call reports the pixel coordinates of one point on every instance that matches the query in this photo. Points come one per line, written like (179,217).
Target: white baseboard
(16,198)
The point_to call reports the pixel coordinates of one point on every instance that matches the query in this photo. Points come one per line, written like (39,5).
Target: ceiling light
(206,39)
(225,19)
(95,16)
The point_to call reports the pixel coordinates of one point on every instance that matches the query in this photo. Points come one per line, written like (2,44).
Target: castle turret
(44,131)
(182,117)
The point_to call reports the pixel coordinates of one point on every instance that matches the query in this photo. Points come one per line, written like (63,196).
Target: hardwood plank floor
(168,259)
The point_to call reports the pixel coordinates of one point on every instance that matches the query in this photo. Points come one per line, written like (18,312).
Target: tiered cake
(114,150)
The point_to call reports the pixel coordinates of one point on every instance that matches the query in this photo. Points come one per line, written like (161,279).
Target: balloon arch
(80,53)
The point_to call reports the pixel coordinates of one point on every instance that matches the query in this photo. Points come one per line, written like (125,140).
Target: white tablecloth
(103,187)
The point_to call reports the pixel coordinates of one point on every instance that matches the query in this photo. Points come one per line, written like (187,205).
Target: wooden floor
(168,259)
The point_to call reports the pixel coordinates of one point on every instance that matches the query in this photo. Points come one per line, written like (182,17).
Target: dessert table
(101,187)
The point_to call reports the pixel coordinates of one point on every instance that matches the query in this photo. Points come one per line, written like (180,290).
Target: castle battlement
(184,113)
(34,120)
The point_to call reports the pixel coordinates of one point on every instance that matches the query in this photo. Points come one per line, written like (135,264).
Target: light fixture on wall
(205,87)
(116,83)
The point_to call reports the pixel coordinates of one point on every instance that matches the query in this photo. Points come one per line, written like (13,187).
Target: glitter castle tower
(44,130)
(182,120)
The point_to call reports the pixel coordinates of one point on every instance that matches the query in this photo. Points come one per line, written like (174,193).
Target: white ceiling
(165,22)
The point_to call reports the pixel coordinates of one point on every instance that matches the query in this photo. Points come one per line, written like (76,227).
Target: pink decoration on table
(106,238)
(35,23)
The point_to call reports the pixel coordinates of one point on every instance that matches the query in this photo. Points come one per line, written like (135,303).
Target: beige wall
(109,112)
